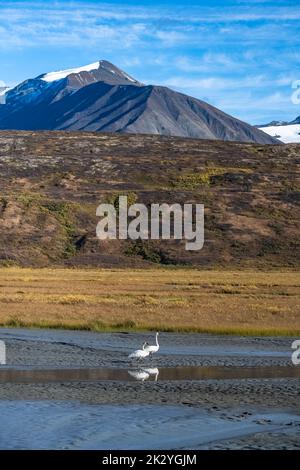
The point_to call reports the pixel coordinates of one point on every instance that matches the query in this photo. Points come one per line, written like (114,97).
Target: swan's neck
(156,339)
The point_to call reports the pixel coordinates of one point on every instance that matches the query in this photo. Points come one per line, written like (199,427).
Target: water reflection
(143,373)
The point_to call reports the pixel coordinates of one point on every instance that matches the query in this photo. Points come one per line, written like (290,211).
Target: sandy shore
(57,348)
(255,413)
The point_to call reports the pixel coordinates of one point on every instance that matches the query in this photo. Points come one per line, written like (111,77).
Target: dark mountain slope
(104,98)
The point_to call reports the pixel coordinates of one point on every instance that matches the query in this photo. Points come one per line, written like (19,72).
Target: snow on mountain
(102,64)
(26,92)
(275,123)
(128,77)
(288,133)
(3,91)
(101,97)
(53,76)
(53,86)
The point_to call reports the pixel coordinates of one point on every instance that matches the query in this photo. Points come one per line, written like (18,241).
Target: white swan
(139,353)
(155,347)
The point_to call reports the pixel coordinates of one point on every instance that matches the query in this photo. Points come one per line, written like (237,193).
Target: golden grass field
(245,302)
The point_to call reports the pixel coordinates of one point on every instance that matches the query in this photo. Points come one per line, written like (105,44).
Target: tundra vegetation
(243,280)
(164,299)
(52,183)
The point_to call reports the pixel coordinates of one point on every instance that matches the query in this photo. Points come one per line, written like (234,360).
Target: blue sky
(240,56)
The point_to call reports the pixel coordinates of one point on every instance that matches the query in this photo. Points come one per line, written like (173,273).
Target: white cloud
(256,110)
(197,13)
(220,83)
(208,62)
(170,38)
(51,23)
(222,54)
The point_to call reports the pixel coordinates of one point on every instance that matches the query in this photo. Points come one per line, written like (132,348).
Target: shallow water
(171,343)
(69,374)
(29,375)
(73,425)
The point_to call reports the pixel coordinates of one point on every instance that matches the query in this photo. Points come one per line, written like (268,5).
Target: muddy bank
(213,393)
(58,348)
(48,349)
(71,425)
(211,413)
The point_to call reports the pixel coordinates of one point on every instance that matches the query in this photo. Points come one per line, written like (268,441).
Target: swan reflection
(144,374)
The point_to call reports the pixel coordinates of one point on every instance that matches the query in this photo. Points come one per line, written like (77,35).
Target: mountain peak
(97,71)
(60,74)
(296,121)
(101,97)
